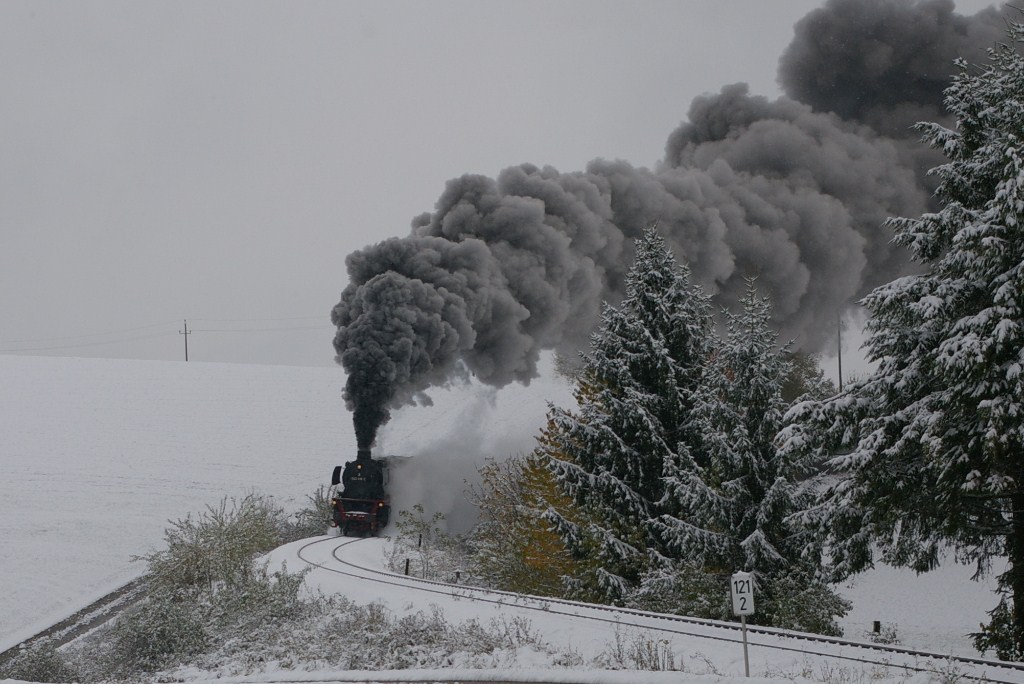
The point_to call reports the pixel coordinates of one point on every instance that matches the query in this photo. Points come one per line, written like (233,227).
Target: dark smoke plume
(883,63)
(791,192)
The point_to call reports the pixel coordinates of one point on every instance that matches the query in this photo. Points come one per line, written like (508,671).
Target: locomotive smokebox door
(336,476)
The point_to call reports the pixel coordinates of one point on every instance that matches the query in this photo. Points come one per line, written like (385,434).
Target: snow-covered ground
(356,568)
(99,454)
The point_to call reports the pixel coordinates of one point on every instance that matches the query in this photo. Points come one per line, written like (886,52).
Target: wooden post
(839,347)
(186,333)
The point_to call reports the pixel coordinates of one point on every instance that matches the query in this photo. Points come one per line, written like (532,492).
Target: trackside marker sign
(742,594)
(741,586)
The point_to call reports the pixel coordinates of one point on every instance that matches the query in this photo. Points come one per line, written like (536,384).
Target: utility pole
(186,333)
(839,348)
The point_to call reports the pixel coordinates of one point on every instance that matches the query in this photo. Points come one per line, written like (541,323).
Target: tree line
(690,455)
(666,478)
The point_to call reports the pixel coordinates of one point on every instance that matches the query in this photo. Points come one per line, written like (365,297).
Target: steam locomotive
(362,505)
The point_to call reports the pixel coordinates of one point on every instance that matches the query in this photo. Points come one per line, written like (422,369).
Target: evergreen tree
(635,393)
(761,485)
(732,512)
(758,485)
(930,447)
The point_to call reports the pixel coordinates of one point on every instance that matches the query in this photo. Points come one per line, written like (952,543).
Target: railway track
(865,653)
(88,618)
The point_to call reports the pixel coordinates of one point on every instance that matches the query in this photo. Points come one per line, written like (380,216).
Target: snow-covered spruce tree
(930,447)
(728,509)
(635,393)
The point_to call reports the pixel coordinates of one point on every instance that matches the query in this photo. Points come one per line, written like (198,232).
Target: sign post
(741,587)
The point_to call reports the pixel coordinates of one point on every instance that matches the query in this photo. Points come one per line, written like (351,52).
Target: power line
(46,340)
(82,340)
(322,317)
(231,330)
(83,344)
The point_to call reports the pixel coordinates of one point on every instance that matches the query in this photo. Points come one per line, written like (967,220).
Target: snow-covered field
(99,454)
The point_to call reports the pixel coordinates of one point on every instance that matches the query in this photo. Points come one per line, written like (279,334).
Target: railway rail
(866,653)
(87,619)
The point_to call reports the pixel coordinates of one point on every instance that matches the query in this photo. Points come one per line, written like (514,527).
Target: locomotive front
(362,505)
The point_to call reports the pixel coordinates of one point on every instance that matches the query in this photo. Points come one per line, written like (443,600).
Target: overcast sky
(216,161)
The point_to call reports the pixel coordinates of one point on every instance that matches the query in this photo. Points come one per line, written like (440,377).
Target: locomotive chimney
(363,455)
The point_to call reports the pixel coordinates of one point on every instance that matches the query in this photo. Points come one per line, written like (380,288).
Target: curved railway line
(866,653)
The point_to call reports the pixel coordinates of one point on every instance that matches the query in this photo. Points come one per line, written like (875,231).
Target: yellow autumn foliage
(517,549)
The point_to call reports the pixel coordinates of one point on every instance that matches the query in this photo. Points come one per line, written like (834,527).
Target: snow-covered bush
(164,630)
(260,597)
(255,620)
(177,626)
(334,633)
(218,544)
(639,651)
(683,589)
(311,520)
(42,663)
(431,552)
(205,590)
(804,604)
(426,640)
